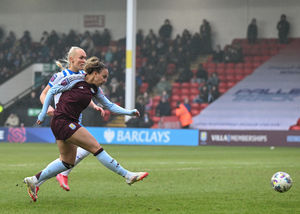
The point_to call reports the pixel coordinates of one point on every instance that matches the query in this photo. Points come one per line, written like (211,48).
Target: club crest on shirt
(72,126)
(53,78)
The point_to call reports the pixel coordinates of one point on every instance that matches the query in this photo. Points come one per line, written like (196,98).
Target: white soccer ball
(281,182)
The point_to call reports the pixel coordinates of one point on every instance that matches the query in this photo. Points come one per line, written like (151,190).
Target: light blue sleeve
(112,106)
(58,88)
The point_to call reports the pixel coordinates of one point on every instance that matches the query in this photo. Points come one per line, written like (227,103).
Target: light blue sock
(111,163)
(54,168)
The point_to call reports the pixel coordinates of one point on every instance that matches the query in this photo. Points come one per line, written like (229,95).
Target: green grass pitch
(183,180)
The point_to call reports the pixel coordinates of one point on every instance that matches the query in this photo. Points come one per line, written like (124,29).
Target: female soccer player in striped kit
(76,59)
(78,92)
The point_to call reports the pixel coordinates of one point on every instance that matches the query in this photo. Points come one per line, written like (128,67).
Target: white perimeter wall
(228,18)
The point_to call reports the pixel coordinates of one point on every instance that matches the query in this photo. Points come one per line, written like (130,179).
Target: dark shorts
(63,128)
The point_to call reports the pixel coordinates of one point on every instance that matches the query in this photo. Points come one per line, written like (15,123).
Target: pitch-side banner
(22,135)
(268,99)
(163,137)
(124,136)
(249,138)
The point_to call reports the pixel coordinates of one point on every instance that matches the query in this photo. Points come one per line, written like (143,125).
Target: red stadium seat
(155,119)
(265,58)
(230,77)
(173,104)
(194,85)
(144,87)
(248,71)
(248,59)
(239,77)
(195,106)
(256,64)
(230,71)
(221,65)
(176,85)
(185,92)
(222,78)
(195,112)
(173,111)
(176,91)
(156,98)
(230,84)
(222,85)
(175,98)
(239,65)
(222,90)
(230,65)
(211,65)
(203,105)
(185,85)
(220,71)
(194,91)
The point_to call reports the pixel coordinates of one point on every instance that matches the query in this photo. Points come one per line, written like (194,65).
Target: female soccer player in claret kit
(78,92)
(75,61)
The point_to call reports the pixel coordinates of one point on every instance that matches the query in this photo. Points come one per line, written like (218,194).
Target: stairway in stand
(117,121)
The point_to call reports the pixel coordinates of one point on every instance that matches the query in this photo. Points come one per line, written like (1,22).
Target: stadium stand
(152,62)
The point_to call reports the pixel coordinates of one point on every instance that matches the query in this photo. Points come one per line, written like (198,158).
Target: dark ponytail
(94,64)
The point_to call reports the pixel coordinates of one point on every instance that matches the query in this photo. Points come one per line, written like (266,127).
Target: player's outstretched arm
(114,107)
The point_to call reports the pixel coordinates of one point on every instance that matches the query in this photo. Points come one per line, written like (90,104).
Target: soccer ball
(281,182)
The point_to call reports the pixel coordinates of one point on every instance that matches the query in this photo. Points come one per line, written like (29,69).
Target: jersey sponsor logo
(72,126)
(65,82)
(53,78)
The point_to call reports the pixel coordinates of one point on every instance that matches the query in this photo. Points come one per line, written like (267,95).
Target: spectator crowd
(160,60)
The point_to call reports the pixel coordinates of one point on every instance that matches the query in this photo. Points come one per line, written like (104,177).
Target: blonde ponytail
(60,65)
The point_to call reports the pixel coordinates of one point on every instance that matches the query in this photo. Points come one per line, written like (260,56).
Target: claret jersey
(73,102)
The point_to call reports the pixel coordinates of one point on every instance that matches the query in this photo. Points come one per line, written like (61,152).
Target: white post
(130,56)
